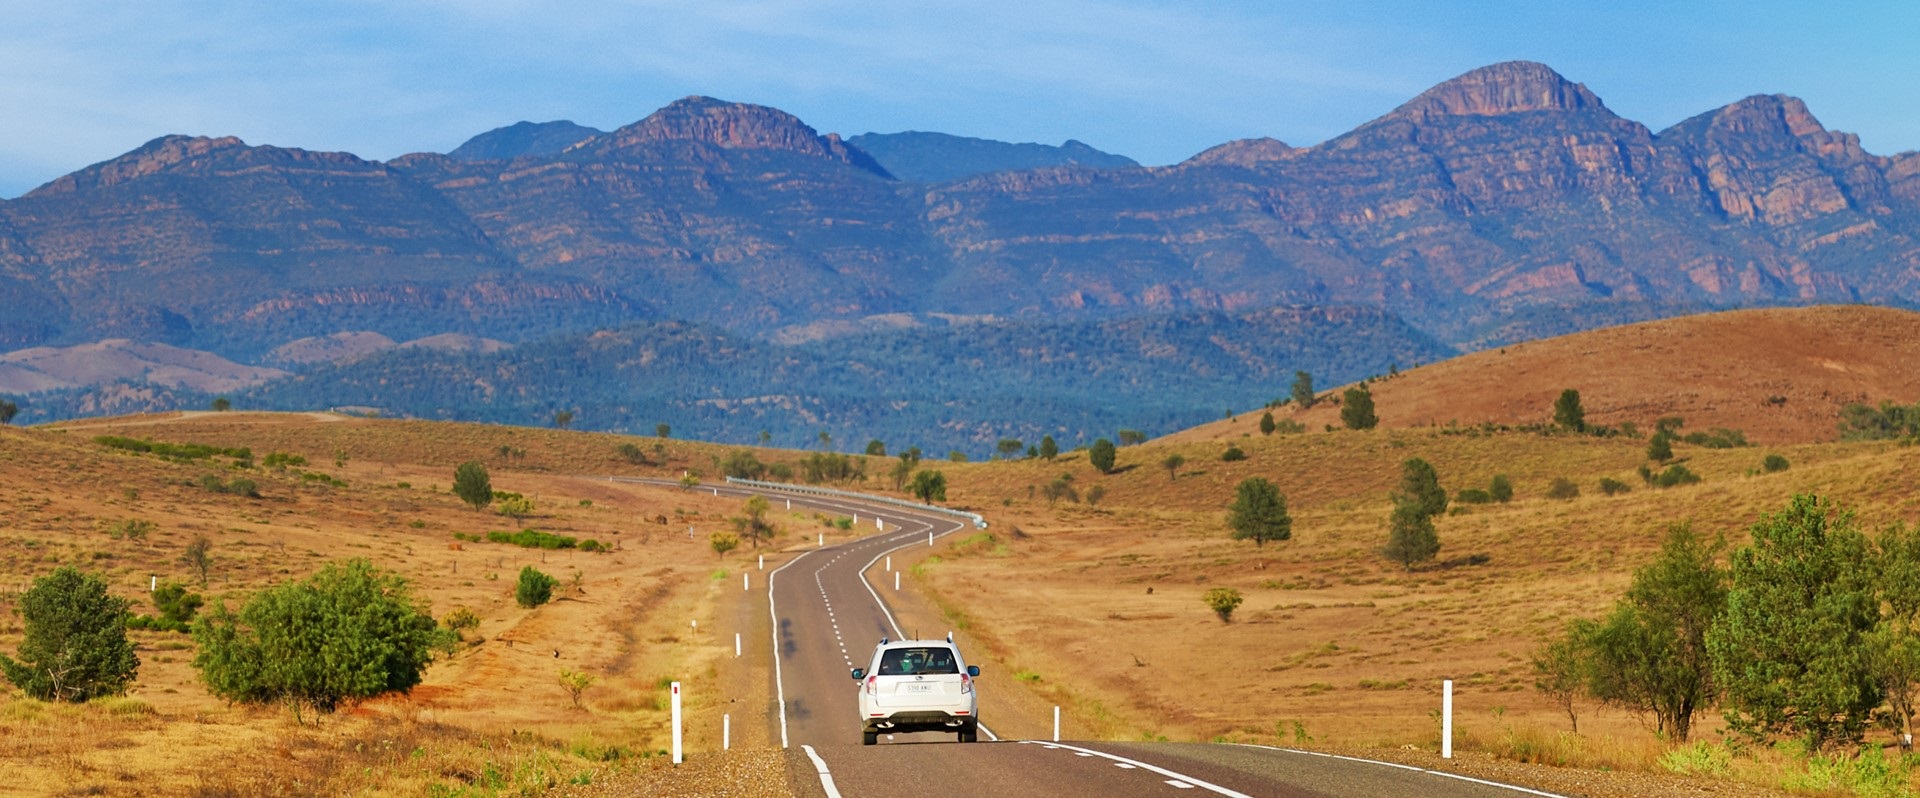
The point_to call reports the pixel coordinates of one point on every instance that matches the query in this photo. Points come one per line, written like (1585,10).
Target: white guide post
(726,732)
(1056,724)
(676,723)
(856,519)
(736,645)
(1446,719)
(929,538)
(153,583)
(743,582)
(879,524)
(823,538)
(763,562)
(896,580)
(789,504)
(889,562)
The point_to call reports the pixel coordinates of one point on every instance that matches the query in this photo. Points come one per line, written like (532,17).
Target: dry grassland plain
(1093,606)
(492,718)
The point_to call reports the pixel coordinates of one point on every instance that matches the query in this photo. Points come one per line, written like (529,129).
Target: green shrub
(1501,489)
(172,451)
(1717,438)
(1614,487)
(1233,454)
(1675,475)
(1563,488)
(240,486)
(515,506)
(131,529)
(1473,496)
(348,632)
(281,460)
(1774,464)
(1223,601)
(534,539)
(176,603)
(535,588)
(75,647)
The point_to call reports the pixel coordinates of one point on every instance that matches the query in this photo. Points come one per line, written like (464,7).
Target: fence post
(676,723)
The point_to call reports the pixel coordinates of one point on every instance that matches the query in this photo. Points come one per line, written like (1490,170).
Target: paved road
(827,617)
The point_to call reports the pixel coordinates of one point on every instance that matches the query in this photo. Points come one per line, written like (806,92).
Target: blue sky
(81,82)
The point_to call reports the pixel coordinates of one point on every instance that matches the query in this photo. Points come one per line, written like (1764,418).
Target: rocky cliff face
(1499,205)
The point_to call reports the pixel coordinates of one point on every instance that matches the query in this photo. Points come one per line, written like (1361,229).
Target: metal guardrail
(979,522)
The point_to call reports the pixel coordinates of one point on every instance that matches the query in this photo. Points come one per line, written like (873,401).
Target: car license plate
(919,688)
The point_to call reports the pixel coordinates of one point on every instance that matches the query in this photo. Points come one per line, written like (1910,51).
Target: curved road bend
(826,619)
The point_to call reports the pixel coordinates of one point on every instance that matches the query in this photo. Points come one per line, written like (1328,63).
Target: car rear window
(912,661)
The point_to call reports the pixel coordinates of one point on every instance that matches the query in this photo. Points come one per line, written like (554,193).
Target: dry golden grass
(1781,375)
(1101,606)
(493,714)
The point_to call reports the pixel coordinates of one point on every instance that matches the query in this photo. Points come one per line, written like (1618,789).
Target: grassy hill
(1780,375)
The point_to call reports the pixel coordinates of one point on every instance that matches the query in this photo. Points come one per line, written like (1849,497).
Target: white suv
(916,686)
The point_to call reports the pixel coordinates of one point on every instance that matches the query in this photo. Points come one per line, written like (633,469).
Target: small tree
(1410,536)
(1172,464)
(7,411)
(1660,447)
(1101,455)
(1223,601)
(349,632)
(1501,489)
(472,485)
(1356,408)
(1095,494)
(930,486)
(689,480)
(515,506)
(1650,655)
(1259,512)
(1567,413)
(723,542)
(575,683)
(1060,488)
(1303,389)
(199,557)
(826,440)
(1420,486)
(535,588)
(563,418)
(1048,449)
(662,430)
(876,448)
(221,404)
(1561,667)
(1130,437)
(1009,447)
(753,525)
(1563,489)
(1790,653)
(76,646)
(1266,423)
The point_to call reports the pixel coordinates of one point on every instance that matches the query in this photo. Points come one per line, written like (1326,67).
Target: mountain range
(1503,205)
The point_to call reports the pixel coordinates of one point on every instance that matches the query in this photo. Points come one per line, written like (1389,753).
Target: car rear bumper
(915,720)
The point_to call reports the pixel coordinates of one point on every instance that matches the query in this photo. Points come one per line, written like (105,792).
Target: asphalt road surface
(826,619)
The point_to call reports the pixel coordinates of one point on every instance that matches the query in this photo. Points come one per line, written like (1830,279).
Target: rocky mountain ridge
(1505,204)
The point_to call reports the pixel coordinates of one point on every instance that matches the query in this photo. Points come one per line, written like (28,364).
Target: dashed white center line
(1180,784)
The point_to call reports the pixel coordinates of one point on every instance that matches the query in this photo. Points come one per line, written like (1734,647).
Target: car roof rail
(949,636)
(883,640)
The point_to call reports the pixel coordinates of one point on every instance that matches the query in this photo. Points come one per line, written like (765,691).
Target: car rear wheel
(869,738)
(970,734)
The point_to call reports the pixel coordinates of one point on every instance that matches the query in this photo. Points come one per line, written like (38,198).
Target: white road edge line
(826,779)
(779,684)
(1409,767)
(957,526)
(1191,781)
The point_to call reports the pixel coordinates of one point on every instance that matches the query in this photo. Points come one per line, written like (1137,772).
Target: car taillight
(966,684)
(872,688)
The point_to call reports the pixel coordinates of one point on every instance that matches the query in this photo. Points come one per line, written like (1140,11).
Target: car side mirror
(974,671)
(860,673)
